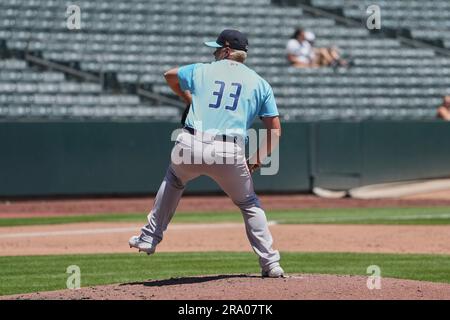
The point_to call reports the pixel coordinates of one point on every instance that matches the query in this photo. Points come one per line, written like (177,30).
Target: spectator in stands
(299,51)
(443,111)
(325,57)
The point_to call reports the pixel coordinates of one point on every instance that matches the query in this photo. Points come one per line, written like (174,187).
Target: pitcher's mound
(253,287)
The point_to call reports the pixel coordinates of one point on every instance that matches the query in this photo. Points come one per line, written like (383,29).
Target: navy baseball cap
(236,40)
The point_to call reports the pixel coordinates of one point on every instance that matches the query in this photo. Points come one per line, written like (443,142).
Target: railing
(160,98)
(60,67)
(86,76)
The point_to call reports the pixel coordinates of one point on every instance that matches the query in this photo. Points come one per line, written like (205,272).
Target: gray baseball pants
(225,163)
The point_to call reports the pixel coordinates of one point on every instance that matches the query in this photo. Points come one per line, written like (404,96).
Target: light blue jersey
(226,96)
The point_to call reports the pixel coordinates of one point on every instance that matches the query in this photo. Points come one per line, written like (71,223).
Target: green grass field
(24,274)
(44,273)
(428,216)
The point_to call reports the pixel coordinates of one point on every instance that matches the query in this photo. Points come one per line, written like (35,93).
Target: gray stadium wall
(108,158)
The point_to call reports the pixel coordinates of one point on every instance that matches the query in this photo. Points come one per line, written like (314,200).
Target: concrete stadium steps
(58,87)
(70,99)
(360,91)
(139,42)
(28,93)
(81,38)
(425,19)
(83,112)
(365,102)
(30,76)
(145,54)
(350,113)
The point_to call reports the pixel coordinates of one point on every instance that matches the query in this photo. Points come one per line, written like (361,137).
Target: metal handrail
(59,67)
(90,77)
(161,98)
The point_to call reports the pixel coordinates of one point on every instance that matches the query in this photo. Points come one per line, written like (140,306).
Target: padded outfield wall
(107,158)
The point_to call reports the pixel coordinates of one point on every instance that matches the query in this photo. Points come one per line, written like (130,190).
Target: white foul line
(115,230)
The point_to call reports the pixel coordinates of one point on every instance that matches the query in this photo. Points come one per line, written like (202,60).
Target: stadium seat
(140,42)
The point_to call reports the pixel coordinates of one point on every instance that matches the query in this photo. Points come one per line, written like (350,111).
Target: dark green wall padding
(355,154)
(40,159)
(107,158)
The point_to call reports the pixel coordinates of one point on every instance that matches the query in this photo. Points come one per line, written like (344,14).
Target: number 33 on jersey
(221,100)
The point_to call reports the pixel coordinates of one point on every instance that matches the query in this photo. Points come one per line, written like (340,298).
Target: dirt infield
(243,287)
(30,208)
(78,238)
(81,238)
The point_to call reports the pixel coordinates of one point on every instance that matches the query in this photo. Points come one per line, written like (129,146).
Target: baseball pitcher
(225,97)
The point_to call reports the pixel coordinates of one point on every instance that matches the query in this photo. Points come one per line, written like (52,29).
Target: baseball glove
(185,113)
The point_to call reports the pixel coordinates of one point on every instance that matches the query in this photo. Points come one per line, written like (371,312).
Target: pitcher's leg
(177,175)
(259,235)
(164,207)
(236,181)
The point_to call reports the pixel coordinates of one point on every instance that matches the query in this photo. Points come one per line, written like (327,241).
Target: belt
(219,137)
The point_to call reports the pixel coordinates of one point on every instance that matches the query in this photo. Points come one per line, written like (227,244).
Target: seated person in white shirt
(300,52)
(325,57)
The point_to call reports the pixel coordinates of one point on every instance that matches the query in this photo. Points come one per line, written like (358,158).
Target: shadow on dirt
(188,280)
